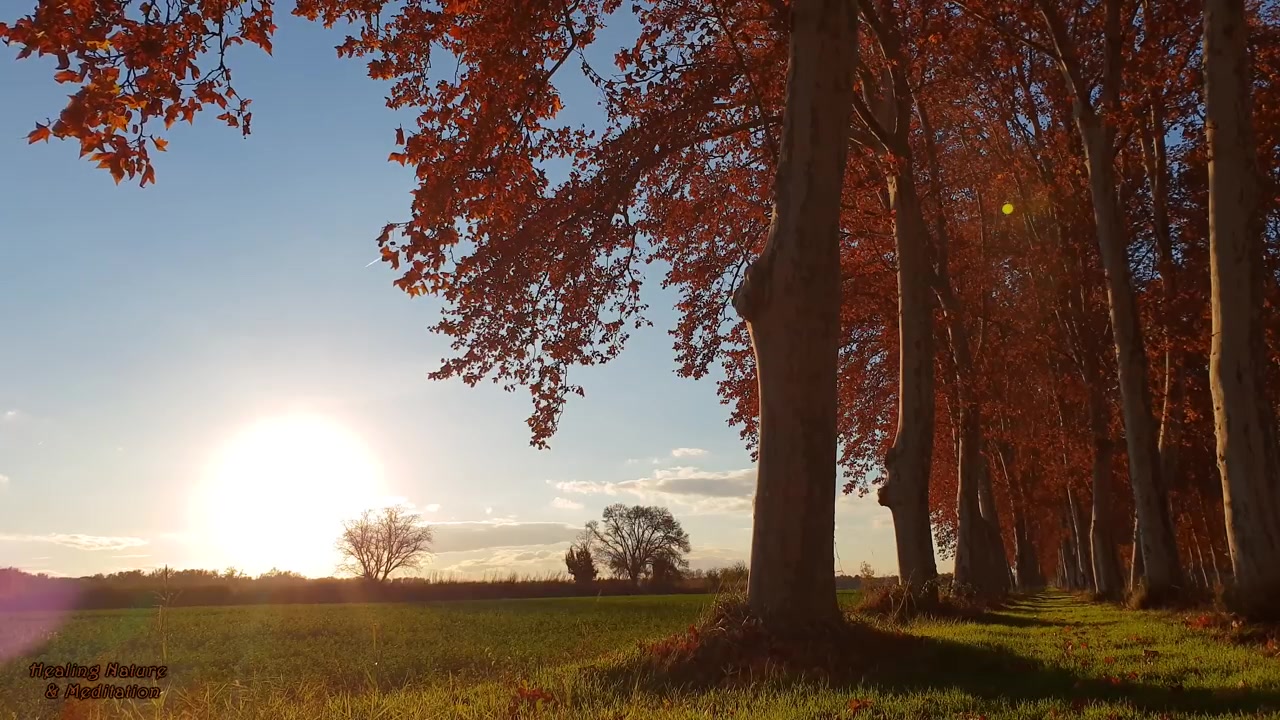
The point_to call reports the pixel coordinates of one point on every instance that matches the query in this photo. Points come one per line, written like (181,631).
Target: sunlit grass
(1050,656)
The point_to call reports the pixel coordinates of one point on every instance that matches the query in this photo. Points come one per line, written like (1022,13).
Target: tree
(375,545)
(1244,418)
(581,565)
(631,539)
(665,573)
(791,301)
(550,278)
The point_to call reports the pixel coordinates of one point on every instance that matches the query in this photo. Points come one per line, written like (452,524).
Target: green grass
(1049,656)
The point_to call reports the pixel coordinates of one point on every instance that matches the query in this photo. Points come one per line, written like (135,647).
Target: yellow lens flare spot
(1007,209)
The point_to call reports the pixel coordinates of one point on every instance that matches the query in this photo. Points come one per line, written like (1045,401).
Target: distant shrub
(580,564)
(137,589)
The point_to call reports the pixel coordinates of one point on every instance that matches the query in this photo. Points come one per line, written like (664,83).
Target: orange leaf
(857,705)
(401,158)
(65,76)
(40,133)
(161,144)
(400,136)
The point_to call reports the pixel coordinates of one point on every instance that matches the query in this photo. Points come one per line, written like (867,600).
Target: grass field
(1042,657)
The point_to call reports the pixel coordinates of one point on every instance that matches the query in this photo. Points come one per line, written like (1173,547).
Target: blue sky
(145,330)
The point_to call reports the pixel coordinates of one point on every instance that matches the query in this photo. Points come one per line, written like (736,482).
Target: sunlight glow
(276,494)
(1007,209)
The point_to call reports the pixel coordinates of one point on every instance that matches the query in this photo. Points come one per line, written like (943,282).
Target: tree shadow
(1011,620)
(931,664)
(899,663)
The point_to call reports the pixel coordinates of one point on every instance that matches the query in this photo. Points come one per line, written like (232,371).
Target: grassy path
(1049,656)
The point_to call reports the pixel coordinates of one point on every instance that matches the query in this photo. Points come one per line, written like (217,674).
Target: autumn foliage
(1057,157)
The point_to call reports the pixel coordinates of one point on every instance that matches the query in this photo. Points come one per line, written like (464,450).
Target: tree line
(1010,263)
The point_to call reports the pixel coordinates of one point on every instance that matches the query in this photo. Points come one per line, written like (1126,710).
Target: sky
(210,372)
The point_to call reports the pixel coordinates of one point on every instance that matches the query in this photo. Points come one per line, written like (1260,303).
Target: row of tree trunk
(791,300)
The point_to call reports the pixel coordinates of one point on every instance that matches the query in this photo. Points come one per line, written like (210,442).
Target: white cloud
(702,491)
(433,507)
(688,452)
(122,557)
(705,558)
(488,511)
(525,560)
(78,541)
(453,537)
(566,504)
(13,415)
(4,480)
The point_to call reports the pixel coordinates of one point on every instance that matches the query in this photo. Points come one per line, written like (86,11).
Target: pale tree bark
(980,561)
(907,464)
(1084,558)
(1027,572)
(1155,159)
(1137,570)
(1243,418)
(1159,547)
(1106,566)
(884,109)
(791,302)
(1195,542)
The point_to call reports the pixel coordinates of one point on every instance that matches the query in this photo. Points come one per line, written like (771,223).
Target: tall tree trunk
(1195,542)
(1084,558)
(1243,418)
(1159,548)
(976,565)
(790,299)
(1106,566)
(1156,162)
(1137,569)
(1213,545)
(1027,572)
(906,488)
(980,561)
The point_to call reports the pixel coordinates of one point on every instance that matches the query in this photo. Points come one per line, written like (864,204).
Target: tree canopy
(1032,223)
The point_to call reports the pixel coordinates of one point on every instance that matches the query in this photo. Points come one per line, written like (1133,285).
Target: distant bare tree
(378,544)
(631,539)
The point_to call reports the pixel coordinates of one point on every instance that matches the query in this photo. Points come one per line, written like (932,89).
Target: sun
(277,493)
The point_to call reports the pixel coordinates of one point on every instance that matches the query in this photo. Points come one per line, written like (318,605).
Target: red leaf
(40,133)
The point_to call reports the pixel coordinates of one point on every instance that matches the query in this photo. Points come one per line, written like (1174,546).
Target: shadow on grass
(1008,619)
(857,654)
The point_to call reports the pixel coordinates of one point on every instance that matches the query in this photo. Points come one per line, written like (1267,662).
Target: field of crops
(540,658)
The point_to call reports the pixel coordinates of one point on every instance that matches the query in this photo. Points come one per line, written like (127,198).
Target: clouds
(4,480)
(11,415)
(565,504)
(77,541)
(530,560)
(688,452)
(485,534)
(702,491)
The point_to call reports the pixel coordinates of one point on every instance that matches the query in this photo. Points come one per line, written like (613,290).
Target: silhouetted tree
(630,539)
(665,573)
(376,545)
(580,563)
